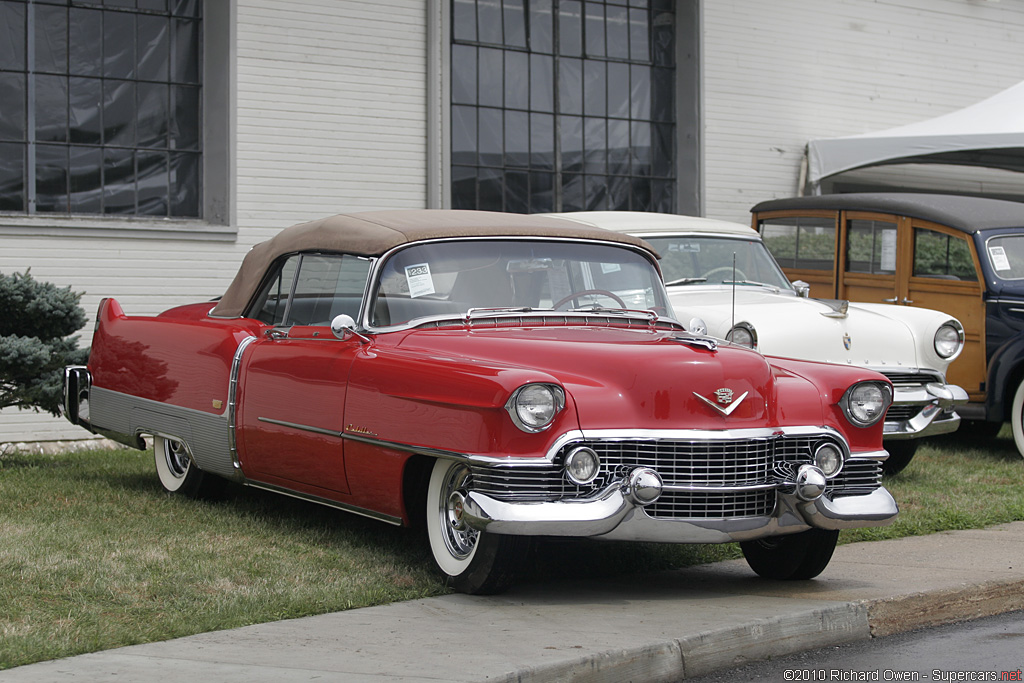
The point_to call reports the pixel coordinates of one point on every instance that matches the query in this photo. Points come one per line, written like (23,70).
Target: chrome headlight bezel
(856,400)
(829,457)
(949,335)
(534,406)
(743,334)
(582,465)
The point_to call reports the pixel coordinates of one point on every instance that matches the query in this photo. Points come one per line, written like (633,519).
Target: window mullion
(30,108)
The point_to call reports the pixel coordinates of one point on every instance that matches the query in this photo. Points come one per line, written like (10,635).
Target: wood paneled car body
(962,255)
(494,377)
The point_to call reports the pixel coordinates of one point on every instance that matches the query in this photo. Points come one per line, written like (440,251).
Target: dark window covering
(100,107)
(562,105)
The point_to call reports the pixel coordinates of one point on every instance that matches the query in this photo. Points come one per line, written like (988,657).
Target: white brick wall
(331,102)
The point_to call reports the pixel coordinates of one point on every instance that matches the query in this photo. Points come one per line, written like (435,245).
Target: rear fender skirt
(207,435)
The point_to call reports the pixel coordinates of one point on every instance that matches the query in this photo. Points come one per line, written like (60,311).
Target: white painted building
(314,107)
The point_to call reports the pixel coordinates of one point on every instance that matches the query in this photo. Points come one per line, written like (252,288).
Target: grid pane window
(563,105)
(100,107)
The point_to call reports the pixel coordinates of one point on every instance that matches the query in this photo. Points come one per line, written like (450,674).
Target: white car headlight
(534,406)
(949,339)
(865,403)
(743,334)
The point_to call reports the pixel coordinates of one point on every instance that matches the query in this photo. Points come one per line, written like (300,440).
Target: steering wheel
(725,270)
(585,292)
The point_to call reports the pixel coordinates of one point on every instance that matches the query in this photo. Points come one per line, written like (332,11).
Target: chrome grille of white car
(912,379)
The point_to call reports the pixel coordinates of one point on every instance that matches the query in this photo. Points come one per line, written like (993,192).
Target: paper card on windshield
(419,280)
(999,260)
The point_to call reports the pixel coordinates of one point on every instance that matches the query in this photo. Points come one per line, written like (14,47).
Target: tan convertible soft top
(372,233)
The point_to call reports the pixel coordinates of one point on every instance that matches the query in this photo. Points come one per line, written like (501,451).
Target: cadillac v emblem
(724,397)
(847,342)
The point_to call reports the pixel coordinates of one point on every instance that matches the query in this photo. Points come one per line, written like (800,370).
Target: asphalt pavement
(652,628)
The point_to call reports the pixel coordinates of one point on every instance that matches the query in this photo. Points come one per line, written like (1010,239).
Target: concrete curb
(935,608)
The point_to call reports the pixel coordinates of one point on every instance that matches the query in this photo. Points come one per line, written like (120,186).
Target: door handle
(890,301)
(906,301)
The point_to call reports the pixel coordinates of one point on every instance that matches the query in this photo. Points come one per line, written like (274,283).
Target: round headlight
(582,465)
(829,459)
(533,406)
(744,335)
(865,403)
(949,339)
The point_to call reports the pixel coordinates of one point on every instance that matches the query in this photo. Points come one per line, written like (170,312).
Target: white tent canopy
(989,133)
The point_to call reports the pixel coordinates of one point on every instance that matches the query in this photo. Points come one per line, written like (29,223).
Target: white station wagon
(721,275)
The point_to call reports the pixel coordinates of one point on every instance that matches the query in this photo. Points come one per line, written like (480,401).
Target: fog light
(829,459)
(582,465)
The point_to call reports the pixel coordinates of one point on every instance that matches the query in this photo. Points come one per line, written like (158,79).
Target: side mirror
(343,326)
(803,289)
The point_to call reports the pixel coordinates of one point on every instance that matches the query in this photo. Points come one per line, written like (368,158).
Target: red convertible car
(495,377)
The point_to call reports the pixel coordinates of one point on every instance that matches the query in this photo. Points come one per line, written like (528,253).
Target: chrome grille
(713,505)
(729,467)
(912,379)
(900,413)
(859,477)
(734,462)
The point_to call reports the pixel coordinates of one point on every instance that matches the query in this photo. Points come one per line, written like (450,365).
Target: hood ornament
(723,396)
(838,308)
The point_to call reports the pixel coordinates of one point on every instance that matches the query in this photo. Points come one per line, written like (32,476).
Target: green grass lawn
(94,555)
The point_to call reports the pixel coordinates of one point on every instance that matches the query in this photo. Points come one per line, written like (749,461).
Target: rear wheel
(1017,418)
(791,558)
(179,474)
(472,561)
(900,455)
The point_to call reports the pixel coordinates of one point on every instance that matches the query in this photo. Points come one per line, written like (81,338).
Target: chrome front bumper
(617,513)
(937,413)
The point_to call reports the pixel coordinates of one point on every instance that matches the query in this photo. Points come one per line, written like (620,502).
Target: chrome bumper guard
(617,513)
(77,385)
(937,415)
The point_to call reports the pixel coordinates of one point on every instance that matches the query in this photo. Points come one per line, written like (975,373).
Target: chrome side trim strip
(301,427)
(426,450)
(236,365)
(379,516)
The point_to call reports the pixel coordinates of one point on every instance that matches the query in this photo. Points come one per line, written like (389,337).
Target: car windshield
(697,260)
(1006,253)
(451,277)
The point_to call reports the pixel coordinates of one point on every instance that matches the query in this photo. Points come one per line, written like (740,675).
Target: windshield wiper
(497,310)
(751,283)
(686,281)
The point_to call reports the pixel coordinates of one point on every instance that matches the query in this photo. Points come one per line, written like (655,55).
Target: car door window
(871,247)
(941,256)
(801,242)
(311,289)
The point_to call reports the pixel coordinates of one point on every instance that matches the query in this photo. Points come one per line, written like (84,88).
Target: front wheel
(178,474)
(791,558)
(900,455)
(471,561)
(1017,418)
